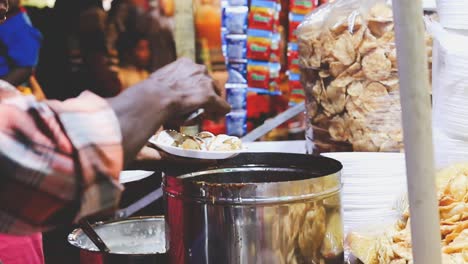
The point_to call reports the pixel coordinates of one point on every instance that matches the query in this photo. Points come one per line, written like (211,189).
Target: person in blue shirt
(20,44)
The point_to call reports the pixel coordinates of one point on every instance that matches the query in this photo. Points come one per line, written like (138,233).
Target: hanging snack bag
(237,2)
(235,19)
(236,123)
(237,71)
(294,21)
(275,69)
(258,74)
(263,14)
(275,55)
(236,46)
(236,95)
(296,91)
(259,44)
(349,72)
(293,58)
(302,7)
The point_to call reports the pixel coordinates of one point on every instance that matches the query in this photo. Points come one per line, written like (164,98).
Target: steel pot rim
(73,236)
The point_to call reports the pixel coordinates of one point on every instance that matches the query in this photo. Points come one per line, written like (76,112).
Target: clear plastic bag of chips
(348,62)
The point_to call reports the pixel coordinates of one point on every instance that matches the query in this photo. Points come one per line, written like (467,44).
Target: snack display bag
(349,72)
(236,95)
(237,71)
(236,46)
(235,19)
(302,7)
(259,44)
(237,2)
(275,69)
(275,55)
(293,58)
(294,21)
(263,15)
(258,74)
(236,123)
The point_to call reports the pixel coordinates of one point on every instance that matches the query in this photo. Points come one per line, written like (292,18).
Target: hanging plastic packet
(275,80)
(297,94)
(236,123)
(275,55)
(259,44)
(223,41)
(235,19)
(258,74)
(294,21)
(236,47)
(237,71)
(237,2)
(302,7)
(293,58)
(236,95)
(262,14)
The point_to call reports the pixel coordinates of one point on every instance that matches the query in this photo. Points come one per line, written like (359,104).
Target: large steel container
(256,208)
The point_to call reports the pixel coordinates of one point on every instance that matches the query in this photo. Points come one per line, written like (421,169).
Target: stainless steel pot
(133,241)
(256,208)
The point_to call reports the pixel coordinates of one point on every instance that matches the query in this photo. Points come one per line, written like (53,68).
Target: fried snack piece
(394,246)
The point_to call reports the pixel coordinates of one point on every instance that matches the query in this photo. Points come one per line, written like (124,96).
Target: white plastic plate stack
(453,13)
(450,94)
(373,183)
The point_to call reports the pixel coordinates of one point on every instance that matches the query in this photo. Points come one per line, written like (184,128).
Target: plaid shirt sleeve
(59,161)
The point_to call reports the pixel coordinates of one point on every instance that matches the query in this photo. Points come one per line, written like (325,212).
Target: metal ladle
(93,236)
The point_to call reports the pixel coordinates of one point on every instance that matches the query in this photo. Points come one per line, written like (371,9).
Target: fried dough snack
(350,76)
(394,247)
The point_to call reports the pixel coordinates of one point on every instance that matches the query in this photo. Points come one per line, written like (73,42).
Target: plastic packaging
(258,74)
(236,123)
(349,72)
(293,58)
(275,55)
(237,71)
(235,19)
(302,7)
(236,47)
(237,2)
(259,44)
(236,95)
(263,14)
(294,21)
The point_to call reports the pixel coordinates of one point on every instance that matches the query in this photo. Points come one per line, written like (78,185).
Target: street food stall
(365,186)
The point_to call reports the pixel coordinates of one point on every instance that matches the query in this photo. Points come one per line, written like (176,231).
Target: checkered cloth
(59,161)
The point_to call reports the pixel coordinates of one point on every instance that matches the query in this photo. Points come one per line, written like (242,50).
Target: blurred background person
(20,43)
(134,55)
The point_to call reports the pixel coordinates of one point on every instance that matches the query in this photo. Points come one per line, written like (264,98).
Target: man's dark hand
(171,93)
(190,88)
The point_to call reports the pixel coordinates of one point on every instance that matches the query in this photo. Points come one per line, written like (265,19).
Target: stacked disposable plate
(453,13)
(450,94)
(373,185)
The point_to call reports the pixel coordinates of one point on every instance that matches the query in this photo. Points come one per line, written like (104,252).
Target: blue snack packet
(237,2)
(235,19)
(237,71)
(236,95)
(236,123)
(236,47)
